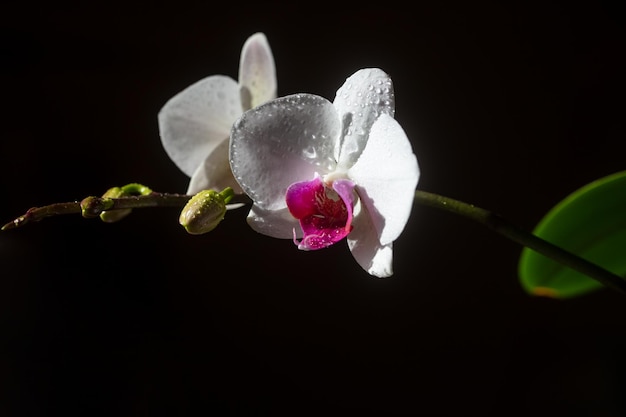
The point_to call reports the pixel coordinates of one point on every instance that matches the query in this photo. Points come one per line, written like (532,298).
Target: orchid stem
(504,227)
(93,206)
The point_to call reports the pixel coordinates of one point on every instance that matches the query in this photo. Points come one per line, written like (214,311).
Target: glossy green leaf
(591,223)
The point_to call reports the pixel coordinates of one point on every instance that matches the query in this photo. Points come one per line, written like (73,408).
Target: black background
(510,106)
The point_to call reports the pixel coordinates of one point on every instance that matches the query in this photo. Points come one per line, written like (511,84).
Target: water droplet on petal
(309,152)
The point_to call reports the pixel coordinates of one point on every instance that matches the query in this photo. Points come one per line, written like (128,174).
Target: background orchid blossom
(194,125)
(303,156)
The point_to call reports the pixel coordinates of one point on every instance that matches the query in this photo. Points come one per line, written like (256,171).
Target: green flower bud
(112,216)
(204,211)
(93,206)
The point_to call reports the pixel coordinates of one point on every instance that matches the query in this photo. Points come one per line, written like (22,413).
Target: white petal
(275,223)
(257,72)
(386,175)
(196,120)
(364,96)
(375,258)
(214,173)
(281,142)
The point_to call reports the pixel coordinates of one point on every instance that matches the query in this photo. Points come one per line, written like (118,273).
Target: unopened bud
(112,216)
(93,206)
(204,211)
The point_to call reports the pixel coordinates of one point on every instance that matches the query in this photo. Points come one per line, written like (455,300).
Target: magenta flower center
(325,213)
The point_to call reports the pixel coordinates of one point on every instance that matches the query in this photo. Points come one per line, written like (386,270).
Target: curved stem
(93,206)
(524,238)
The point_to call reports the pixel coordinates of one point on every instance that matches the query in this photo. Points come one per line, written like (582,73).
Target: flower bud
(204,211)
(112,216)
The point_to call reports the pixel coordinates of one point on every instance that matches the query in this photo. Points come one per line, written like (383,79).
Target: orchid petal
(364,96)
(275,223)
(387,174)
(198,119)
(363,242)
(257,72)
(214,173)
(283,141)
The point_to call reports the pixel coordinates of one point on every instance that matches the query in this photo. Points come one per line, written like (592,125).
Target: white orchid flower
(195,124)
(321,171)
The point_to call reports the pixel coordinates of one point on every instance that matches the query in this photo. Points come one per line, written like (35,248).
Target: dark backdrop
(509,105)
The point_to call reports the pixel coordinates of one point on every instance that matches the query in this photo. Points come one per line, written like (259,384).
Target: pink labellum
(325,213)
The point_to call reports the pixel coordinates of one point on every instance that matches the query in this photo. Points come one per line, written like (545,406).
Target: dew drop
(309,152)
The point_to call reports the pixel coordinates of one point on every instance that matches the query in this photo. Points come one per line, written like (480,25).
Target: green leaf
(591,223)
